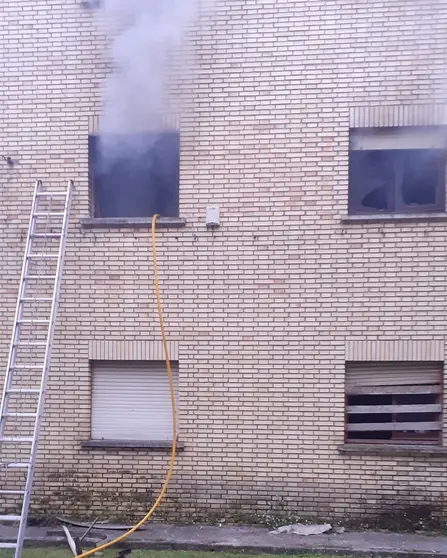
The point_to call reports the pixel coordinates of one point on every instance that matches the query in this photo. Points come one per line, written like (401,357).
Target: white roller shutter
(362,374)
(131,400)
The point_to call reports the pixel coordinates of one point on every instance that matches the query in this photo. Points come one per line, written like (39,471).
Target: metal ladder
(29,357)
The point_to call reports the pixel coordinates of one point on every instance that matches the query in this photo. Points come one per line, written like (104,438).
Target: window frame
(390,390)
(94,205)
(391,144)
(143,366)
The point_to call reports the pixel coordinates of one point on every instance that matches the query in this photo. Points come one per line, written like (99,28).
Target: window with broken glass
(397,170)
(135,175)
(390,402)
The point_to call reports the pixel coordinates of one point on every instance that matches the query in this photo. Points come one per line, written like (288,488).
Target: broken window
(397,170)
(394,402)
(135,175)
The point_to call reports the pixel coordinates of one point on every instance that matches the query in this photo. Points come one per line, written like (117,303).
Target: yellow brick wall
(263,307)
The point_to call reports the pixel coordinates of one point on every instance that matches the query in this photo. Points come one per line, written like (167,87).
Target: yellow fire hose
(174,421)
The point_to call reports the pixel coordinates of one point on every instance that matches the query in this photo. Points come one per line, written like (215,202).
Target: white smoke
(148,53)
(147,41)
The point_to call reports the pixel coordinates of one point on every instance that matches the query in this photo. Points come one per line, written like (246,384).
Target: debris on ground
(301,529)
(102,526)
(72,542)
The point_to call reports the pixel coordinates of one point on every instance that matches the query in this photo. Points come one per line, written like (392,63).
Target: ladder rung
(48,213)
(20,415)
(16,440)
(32,344)
(58,193)
(12,492)
(32,321)
(35,277)
(32,391)
(26,367)
(8,545)
(13,518)
(35,299)
(46,235)
(43,256)
(18,465)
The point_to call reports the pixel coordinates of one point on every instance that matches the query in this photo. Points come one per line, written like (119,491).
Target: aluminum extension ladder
(29,357)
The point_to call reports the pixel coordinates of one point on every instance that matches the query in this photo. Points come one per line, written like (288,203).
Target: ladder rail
(46,367)
(18,311)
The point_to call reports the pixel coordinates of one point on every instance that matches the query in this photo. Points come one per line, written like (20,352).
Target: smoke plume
(148,56)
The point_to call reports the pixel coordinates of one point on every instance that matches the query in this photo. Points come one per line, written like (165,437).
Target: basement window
(397,403)
(131,401)
(397,170)
(135,175)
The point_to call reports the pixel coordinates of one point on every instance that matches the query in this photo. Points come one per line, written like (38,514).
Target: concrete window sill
(132,223)
(395,218)
(396,449)
(130,444)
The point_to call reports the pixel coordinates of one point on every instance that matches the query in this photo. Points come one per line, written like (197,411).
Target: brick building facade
(294,299)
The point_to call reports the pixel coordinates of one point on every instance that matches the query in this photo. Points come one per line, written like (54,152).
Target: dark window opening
(372,180)
(422,174)
(135,175)
(395,180)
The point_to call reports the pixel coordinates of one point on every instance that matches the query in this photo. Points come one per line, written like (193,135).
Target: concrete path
(252,540)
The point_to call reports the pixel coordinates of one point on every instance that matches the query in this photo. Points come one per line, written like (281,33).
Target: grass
(62,553)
